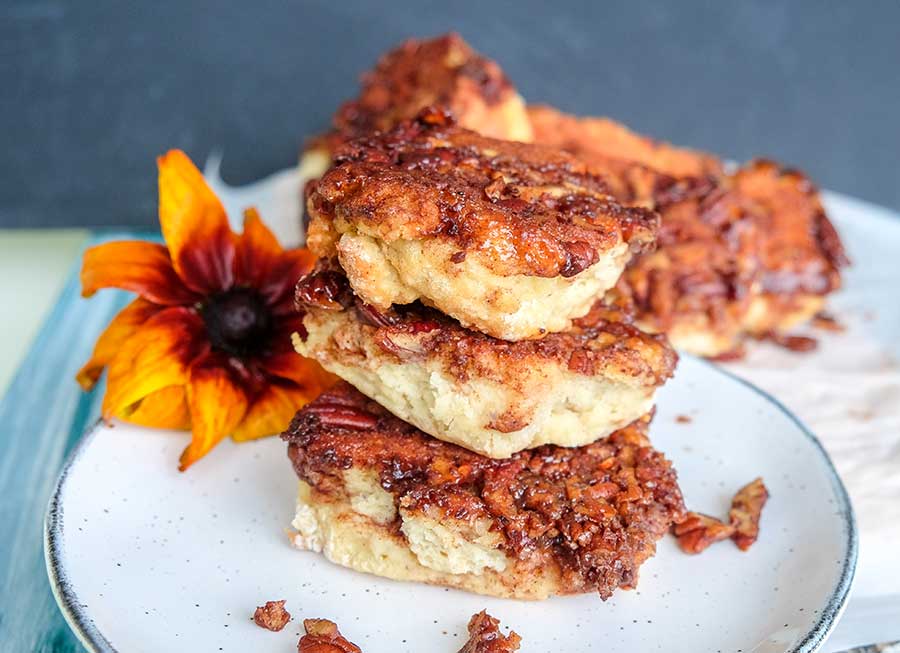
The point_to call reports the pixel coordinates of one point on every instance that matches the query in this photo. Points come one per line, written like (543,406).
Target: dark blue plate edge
(73,610)
(837,602)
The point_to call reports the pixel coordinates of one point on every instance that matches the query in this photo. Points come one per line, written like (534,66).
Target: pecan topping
(272,616)
(485,636)
(579,256)
(370,315)
(323,636)
(698,531)
(746,509)
(343,416)
(323,287)
(594,511)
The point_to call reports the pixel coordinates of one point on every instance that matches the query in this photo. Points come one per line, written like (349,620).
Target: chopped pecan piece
(827,322)
(485,636)
(323,636)
(746,509)
(341,416)
(698,531)
(272,616)
(793,343)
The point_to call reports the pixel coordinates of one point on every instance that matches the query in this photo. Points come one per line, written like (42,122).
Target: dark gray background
(91,91)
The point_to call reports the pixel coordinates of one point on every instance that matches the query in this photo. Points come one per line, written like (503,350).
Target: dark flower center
(237,321)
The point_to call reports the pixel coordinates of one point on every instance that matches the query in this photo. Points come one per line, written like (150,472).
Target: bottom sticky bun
(379,496)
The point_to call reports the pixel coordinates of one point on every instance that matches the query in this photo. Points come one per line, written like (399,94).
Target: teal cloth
(43,415)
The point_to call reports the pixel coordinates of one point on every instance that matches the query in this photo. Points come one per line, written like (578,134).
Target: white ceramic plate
(143,558)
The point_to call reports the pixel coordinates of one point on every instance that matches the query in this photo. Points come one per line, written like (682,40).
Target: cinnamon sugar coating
(521,209)
(443,71)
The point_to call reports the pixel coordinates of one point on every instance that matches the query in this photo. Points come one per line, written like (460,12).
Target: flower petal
(135,265)
(163,409)
(304,372)
(279,287)
(257,250)
(111,341)
(217,404)
(283,362)
(264,265)
(272,411)
(194,225)
(157,355)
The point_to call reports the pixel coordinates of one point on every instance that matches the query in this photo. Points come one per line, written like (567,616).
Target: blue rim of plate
(90,636)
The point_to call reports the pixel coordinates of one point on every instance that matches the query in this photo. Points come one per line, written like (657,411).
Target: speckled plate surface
(143,558)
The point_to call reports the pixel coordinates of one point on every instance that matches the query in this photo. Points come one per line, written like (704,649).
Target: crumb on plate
(272,616)
(746,509)
(485,636)
(323,636)
(698,531)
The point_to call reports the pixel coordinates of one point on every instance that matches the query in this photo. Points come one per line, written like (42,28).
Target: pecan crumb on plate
(793,343)
(323,636)
(485,636)
(746,509)
(698,531)
(827,322)
(272,616)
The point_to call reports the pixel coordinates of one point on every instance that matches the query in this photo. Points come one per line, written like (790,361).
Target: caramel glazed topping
(723,237)
(595,512)
(603,341)
(523,209)
(443,71)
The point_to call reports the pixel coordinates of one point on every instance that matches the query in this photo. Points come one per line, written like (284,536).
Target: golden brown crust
(485,636)
(603,342)
(443,71)
(800,250)
(520,209)
(743,253)
(608,138)
(595,512)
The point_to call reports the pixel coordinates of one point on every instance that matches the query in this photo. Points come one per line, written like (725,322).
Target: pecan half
(827,322)
(485,636)
(343,416)
(272,616)
(746,509)
(698,531)
(793,343)
(325,288)
(323,636)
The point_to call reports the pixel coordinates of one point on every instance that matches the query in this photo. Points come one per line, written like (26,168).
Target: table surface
(33,268)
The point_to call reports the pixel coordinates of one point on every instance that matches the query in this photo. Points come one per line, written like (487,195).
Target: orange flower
(206,345)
